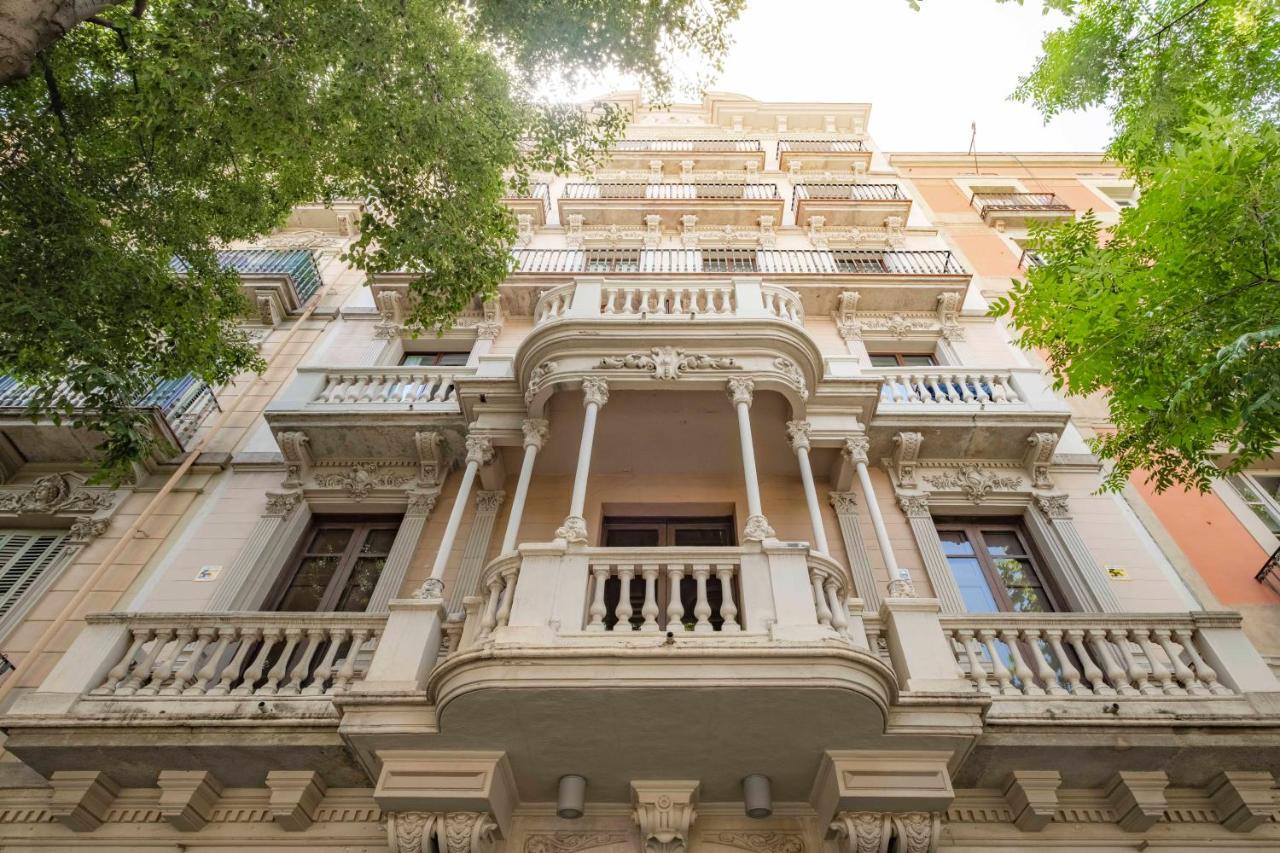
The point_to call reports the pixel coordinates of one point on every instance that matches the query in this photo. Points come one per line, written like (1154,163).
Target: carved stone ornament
(901,587)
(53,494)
(431,589)
(861,832)
(1054,506)
(973,482)
(759,842)
(574,529)
(595,390)
(488,331)
(433,458)
(535,431)
(297,457)
(1040,447)
(914,506)
(280,504)
(741,390)
(440,832)
(844,503)
(85,528)
(421,503)
(856,447)
(479,450)
(571,842)
(906,450)
(949,316)
(667,363)
(917,832)
(793,375)
(798,434)
(757,529)
(665,812)
(537,377)
(361,479)
(489,501)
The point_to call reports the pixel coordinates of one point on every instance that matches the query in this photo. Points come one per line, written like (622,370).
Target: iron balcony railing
(851,192)
(183,403)
(676,145)
(1270,569)
(1030,259)
(536,191)
(822,146)
(670,191)
(983,202)
(695,261)
(298,265)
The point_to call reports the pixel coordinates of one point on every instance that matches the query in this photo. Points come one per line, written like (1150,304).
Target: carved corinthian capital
(798,434)
(741,390)
(856,447)
(479,449)
(595,390)
(536,431)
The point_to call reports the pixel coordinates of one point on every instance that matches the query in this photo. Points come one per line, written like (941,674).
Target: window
(995,567)
(902,359)
(428,359)
(1262,493)
(25,555)
(661,532)
(338,566)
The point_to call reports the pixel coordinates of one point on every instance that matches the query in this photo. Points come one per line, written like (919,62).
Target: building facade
(730,523)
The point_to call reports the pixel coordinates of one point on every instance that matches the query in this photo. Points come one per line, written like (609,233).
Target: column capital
(421,503)
(855,449)
(914,506)
(574,529)
(479,449)
(536,432)
(844,503)
(1054,506)
(741,389)
(489,501)
(488,331)
(798,434)
(281,504)
(595,390)
(757,529)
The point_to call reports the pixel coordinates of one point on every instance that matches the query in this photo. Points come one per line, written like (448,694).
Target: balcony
(823,155)
(1018,209)
(627,204)
(276,282)
(175,407)
(965,412)
(678,156)
(1029,260)
(849,204)
(535,203)
(367,412)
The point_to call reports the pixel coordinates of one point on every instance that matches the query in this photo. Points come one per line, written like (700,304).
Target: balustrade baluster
(213,663)
(1021,671)
(489,620)
(1185,676)
(675,607)
(820,599)
(913,390)
(1069,673)
(298,675)
(248,685)
(835,603)
(935,392)
(982,387)
(611,300)
(624,609)
(677,300)
(326,670)
(1048,677)
(988,637)
(649,610)
(165,667)
(728,607)
(598,611)
(1203,671)
(966,393)
(1075,637)
(977,673)
(508,596)
(248,637)
(1135,671)
(702,604)
(184,675)
(1106,658)
(1006,387)
(142,672)
(140,637)
(1162,674)
(629,308)
(281,667)
(347,670)
(996,389)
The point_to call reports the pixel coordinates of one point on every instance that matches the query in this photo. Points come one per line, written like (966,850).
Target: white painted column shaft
(479,452)
(535,434)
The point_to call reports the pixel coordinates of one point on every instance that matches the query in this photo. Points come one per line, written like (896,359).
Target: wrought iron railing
(299,265)
(639,190)
(850,192)
(701,145)
(718,261)
(983,202)
(535,191)
(822,146)
(1270,569)
(1030,259)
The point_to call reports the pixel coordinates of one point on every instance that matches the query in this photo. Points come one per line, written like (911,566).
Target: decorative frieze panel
(54,494)
(667,363)
(359,481)
(974,483)
(573,842)
(854,325)
(757,842)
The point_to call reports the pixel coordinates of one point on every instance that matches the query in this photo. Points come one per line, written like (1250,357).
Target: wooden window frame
(404,356)
(362,527)
(898,356)
(666,525)
(972,528)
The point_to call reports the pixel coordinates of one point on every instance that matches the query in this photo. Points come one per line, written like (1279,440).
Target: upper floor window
(903,359)
(1262,493)
(427,359)
(626,532)
(24,556)
(995,566)
(338,565)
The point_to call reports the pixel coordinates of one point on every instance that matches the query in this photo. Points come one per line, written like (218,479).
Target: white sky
(927,74)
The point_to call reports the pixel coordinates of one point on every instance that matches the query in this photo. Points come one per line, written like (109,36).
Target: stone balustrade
(391,387)
(955,386)
(739,299)
(696,592)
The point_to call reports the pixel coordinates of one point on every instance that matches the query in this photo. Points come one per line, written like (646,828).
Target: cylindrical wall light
(756,796)
(572,797)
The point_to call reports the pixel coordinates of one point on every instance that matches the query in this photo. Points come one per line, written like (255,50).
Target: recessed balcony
(276,282)
(677,156)
(849,204)
(175,409)
(965,412)
(1018,209)
(627,204)
(535,203)
(822,155)
(370,412)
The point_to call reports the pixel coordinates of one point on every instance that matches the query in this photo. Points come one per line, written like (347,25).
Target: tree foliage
(1175,314)
(162,130)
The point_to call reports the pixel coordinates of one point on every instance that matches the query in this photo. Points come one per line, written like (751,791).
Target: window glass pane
(378,541)
(918,360)
(955,543)
(456,359)
(632,537)
(359,589)
(418,359)
(889,360)
(1023,586)
(973,585)
(330,540)
(1254,490)
(1002,543)
(306,590)
(701,536)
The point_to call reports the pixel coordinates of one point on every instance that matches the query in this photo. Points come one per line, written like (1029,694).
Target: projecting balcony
(236,693)
(535,203)
(682,155)
(1017,209)
(849,204)
(367,412)
(966,412)
(627,204)
(175,409)
(823,155)
(276,282)
(888,280)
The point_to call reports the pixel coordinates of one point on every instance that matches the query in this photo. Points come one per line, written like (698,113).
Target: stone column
(479,452)
(1093,576)
(845,504)
(477,547)
(535,436)
(916,508)
(396,567)
(595,393)
(757,527)
(855,450)
(798,434)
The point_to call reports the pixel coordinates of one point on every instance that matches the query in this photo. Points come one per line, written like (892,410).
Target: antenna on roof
(973,144)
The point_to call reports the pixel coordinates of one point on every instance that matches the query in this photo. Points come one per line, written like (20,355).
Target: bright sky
(927,74)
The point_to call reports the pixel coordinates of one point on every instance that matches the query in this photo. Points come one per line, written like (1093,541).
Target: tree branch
(56,104)
(28,27)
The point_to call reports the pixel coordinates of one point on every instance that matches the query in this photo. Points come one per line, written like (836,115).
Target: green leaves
(204,122)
